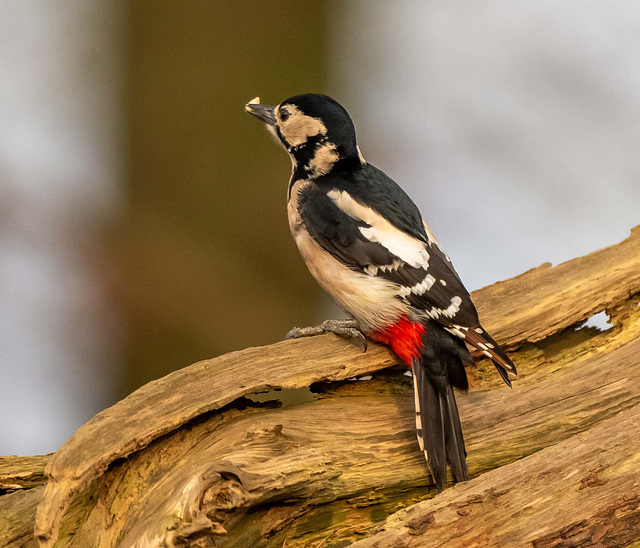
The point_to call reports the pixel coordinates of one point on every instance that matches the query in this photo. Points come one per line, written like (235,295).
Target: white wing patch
(408,249)
(457,331)
(418,289)
(372,269)
(448,312)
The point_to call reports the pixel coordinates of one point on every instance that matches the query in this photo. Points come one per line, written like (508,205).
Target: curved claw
(360,340)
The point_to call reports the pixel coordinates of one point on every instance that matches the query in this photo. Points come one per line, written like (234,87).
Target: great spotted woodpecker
(367,245)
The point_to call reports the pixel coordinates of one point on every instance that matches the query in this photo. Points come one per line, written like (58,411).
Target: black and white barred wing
(363,239)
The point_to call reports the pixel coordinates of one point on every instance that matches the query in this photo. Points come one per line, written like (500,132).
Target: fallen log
(203,457)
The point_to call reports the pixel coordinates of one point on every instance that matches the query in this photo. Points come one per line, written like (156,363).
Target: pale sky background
(514,125)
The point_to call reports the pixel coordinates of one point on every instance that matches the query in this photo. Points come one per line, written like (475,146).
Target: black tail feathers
(485,343)
(437,420)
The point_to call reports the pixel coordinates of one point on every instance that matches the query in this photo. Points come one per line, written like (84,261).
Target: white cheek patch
(299,127)
(408,249)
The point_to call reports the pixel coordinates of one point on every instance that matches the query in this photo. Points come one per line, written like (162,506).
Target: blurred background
(142,212)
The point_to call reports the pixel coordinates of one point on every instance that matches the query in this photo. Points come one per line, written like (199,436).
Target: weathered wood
(22,472)
(164,405)
(21,488)
(17,516)
(266,475)
(327,470)
(583,491)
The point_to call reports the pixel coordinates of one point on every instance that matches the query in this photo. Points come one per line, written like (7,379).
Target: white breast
(371,300)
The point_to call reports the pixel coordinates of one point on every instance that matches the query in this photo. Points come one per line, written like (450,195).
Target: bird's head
(315,130)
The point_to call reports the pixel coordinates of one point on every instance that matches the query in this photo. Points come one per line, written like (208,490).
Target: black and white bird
(367,245)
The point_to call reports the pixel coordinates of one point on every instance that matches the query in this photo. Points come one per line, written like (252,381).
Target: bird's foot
(349,329)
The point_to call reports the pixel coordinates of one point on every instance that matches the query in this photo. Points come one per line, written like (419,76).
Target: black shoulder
(336,232)
(369,185)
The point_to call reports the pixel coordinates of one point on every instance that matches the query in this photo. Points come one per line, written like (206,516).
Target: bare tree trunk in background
(205,261)
(122,129)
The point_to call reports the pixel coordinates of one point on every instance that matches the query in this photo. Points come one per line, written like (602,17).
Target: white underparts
(372,300)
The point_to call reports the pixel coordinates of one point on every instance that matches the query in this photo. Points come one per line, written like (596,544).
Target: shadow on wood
(276,446)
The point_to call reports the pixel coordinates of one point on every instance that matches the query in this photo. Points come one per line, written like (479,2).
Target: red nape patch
(404,336)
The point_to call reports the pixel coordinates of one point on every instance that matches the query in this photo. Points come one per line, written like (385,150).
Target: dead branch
(188,460)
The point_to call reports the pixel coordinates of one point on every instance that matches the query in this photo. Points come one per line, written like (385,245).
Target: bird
(368,246)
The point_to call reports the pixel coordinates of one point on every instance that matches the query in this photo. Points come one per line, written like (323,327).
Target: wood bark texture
(276,446)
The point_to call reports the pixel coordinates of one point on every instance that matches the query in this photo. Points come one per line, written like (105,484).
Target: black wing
(353,216)
(346,235)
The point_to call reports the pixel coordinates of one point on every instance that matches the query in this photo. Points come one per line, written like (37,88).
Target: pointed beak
(266,113)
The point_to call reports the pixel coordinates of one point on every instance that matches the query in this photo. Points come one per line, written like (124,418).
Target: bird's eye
(284,114)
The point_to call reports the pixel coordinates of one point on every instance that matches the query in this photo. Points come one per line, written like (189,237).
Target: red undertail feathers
(405,337)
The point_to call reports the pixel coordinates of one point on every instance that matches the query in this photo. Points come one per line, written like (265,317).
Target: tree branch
(189,460)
